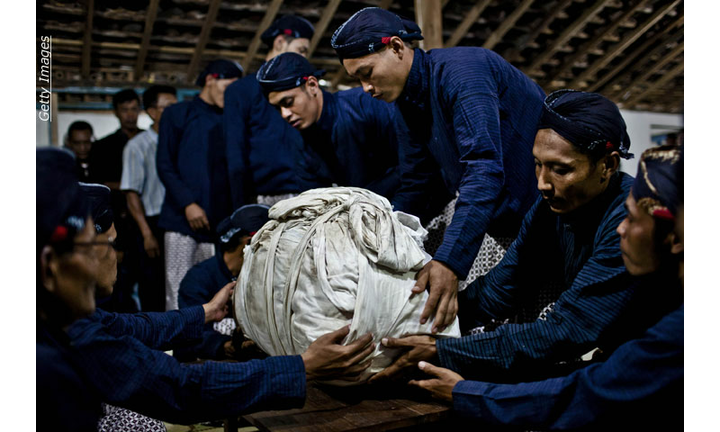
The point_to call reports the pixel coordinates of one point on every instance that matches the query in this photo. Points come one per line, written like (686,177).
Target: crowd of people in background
(592,257)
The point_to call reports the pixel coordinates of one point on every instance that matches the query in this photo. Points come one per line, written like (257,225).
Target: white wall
(103,123)
(641,126)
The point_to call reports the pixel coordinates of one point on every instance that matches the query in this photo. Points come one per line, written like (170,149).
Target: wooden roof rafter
(623,66)
(268,18)
(470,19)
(593,43)
(667,76)
(667,58)
(203,39)
(624,43)
(322,25)
(514,53)
(147,33)
(507,24)
(87,39)
(569,32)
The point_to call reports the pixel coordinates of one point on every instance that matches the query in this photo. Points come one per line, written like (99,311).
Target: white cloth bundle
(330,257)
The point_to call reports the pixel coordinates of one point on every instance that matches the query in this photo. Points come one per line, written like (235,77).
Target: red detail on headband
(215,75)
(59,234)
(304,78)
(386,40)
(663,214)
(253,233)
(288,32)
(609,145)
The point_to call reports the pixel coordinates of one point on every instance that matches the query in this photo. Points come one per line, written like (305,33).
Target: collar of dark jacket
(418,81)
(327,117)
(220,257)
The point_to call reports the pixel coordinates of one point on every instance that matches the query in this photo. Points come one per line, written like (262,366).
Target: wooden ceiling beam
(620,47)
(385,4)
(147,33)
(87,39)
(428,15)
(470,19)
(590,45)
(667,58)
(268,19)
(523,41)
(671,74)
(507,24)
(322,25)
(623,66)
(203,39)
(569,32)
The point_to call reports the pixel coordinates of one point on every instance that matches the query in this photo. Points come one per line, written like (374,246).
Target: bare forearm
(137,210)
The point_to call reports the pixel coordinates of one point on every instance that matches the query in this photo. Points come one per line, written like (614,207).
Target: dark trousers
(151,271)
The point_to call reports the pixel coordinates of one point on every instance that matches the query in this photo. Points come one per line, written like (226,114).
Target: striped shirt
(139,173)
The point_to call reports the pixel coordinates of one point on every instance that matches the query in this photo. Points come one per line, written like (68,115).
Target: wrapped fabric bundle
(327,258)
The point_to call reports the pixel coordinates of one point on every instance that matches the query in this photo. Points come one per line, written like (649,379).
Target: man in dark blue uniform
(353,133)
(640,385)
(266,157)
(191,164)
(470,111)
(565,274)
(205,279)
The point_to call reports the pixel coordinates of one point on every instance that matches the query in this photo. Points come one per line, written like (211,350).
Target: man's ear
(313,84)
(48,267)
(611,164)
(398,46)
(676,245)
(279,43)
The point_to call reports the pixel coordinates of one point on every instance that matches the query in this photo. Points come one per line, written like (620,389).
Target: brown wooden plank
(667,76)
(626,41)
(470,19)
(593,43)
(507,24)
(428,15)
(630,58)
(667,58)
(147,33)
(523,41)
(202,41)
(385,4)
(565,36)
(322,25)
(269,17)
(87,39)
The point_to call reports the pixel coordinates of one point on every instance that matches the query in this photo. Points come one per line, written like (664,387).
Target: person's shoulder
(138,142)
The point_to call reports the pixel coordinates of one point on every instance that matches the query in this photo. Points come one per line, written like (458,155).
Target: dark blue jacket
(476,115)
(639,387)
(122,357)
(192,165)
(266,156)
(65,400)
(574,261)
(356,137)
(198,287)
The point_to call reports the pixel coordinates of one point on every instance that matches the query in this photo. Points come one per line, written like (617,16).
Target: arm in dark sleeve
(235,132)
(641,374)
(476,124)
(599,295)
(126,373)
(157,330)
(169,138)
(416,169)
(495,295)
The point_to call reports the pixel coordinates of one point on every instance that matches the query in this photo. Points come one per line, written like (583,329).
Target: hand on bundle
(442,301)
(440,387)
(217,308)
(418,348)
(326,358)
(242,349)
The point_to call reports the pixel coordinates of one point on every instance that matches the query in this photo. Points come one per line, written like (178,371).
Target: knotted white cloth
(327,258)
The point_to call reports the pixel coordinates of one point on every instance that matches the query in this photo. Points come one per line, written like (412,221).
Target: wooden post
(428,15)
(87,39)
(322,25)
(147,33)
(269,17)
(202,40)
(54,133)
(470,19)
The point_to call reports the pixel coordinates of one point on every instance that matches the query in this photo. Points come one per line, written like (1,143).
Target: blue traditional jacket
(476,115)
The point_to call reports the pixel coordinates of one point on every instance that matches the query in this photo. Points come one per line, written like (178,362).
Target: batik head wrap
(656,186)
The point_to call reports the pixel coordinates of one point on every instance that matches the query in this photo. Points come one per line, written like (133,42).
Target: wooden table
(362,408)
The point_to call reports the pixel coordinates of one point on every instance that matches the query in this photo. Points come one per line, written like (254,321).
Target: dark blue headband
(289,25)
(286,71)
(220,69)
(588,120)
(369,30)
